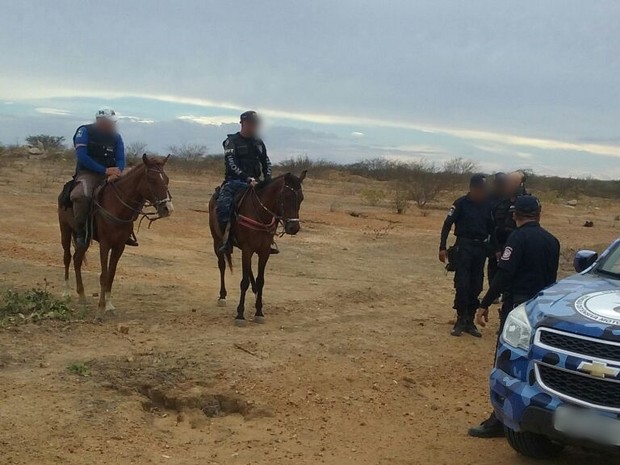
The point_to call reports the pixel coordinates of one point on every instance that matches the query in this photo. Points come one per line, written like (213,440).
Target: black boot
(471,328)
(489,428)
(132,241)
(274,249)
(459,327)
(81,241)
(225,248)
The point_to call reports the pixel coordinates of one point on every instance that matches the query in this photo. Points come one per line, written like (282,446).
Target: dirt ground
(355,364)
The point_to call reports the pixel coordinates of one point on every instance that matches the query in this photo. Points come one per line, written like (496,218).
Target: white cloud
(209,120)
(136,119)
(52,111)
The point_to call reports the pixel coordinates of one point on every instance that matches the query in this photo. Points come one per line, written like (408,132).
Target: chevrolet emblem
(599,369)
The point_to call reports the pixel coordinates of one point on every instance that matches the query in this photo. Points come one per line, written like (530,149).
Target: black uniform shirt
(471,220)
(528,264)
(245,158)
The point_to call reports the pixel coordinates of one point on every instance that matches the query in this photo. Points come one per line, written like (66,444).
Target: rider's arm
(265,163)
(447,225)
(119,153)
(81,152)
(230,160)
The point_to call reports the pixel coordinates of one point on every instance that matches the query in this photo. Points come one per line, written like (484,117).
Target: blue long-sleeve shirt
(86,162)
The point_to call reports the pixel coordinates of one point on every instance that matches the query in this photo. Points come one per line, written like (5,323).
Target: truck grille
(589,348)
(598,392)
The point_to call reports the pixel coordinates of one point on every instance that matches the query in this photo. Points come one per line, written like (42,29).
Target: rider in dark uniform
(472,218)
(246,159)
(529,264)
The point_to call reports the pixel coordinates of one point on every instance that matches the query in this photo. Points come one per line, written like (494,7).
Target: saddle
(64,199)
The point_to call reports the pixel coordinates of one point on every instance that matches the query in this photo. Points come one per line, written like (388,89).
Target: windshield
(611,263)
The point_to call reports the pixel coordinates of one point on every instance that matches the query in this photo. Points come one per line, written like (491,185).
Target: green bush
(33,305)
(372,196)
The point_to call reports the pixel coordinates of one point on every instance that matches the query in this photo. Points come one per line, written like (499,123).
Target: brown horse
(116,206)
(259,211)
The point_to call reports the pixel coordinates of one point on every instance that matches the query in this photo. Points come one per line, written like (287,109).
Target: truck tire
(533,445)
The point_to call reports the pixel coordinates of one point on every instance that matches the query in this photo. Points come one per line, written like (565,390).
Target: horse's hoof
(82,300)
(259,319)
(240,323)
(110,312)
(221,302)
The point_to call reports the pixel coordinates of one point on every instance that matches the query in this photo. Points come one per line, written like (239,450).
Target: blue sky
(508,84)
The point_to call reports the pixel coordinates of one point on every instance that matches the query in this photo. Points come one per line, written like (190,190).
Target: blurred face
(514,182)
(478,193)
(106,126)
(250,128)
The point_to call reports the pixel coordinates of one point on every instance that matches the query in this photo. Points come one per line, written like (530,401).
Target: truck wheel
(533,445)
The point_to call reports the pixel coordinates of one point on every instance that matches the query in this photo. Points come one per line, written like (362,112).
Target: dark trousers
(469,277)
(491,267)
(226,199)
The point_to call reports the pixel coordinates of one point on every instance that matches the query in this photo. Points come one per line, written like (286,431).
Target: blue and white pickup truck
(556,379)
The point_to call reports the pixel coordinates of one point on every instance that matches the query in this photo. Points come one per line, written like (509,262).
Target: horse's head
(153,186)
(292,196)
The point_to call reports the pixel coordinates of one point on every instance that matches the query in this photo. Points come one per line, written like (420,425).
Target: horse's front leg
(221,264)
(78,259)
(263,258)
(115,256)
(246,261)
(104,254)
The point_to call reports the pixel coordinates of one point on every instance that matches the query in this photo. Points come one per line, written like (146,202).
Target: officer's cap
(478,180)
(106,113)
(249,116)
(527,205)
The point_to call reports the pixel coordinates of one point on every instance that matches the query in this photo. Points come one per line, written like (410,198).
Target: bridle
(276,220)
(138,211)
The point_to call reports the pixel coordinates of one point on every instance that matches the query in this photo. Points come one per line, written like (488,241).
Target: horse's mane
(289,178)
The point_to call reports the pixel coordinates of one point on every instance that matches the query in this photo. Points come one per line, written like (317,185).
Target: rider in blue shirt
(100,154)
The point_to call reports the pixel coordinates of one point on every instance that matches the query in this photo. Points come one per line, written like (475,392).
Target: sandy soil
(355,364)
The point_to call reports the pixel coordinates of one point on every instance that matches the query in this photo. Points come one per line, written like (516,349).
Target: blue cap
(478,180)
(527,205)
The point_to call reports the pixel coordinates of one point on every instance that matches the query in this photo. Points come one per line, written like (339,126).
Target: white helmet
(107,113)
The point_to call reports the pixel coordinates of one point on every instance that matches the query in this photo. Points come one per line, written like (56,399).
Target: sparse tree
(425,182)
(190,152)
(46,142)
(135,150)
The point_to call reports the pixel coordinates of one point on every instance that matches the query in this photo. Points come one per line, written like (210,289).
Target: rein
(276,220)
(136,211)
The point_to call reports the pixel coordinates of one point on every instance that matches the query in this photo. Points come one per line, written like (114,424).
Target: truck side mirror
(584,259)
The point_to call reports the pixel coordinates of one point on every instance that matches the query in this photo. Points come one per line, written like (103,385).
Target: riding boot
(81,210)
(225,247)
(132,241)
(81,239)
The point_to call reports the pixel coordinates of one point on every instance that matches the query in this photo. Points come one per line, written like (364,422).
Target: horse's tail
(229,261)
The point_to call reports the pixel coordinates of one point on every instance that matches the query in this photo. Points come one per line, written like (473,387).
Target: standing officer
(528,265)
(100,155)
(245,157)
(474,230)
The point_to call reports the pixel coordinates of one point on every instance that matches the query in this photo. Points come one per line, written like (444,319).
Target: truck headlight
(517,329)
